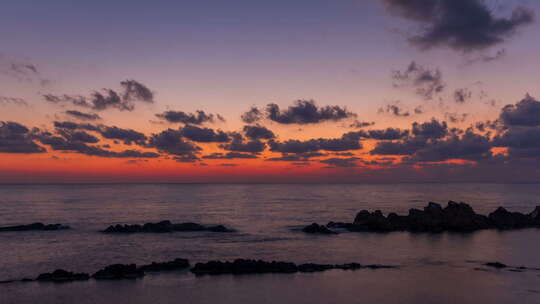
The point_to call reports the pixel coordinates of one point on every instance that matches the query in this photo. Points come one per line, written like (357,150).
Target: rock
(118,272)
(164,227)
(35,226)
(503,219)
(535,215)
(165,266)
(366,221)
(495,265)
(61,275)
(241,266)
(317,229)
(461,217)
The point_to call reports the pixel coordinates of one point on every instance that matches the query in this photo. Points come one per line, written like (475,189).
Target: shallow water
(433,267)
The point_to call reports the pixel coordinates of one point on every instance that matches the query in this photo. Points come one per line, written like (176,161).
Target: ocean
(433,268)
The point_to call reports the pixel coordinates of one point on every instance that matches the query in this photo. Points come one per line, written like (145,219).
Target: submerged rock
(34,226)
(163,227)
(456,217)
(317,229)
(242,266)
(495,265)
(118,272)
(165,266)
(61,275)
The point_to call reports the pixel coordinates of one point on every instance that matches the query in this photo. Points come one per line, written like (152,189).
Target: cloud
(395,110)
(301,112)
(198,118)
(462,95)
(123,100)
(340,162)
(127,136)
(78,136)
(82,115)
(296,157)
(462,25)
(345,143)
(73,125)
(252,115)
(229,155)
(384,134)
(455,117)
(430,130)
(240,144)
(170,141)
(524,113)
(13,101)
(427,83)
(519,138)
(203,134)
(22,71)
(16,138)
(487,58)
(362,124)
(258,132)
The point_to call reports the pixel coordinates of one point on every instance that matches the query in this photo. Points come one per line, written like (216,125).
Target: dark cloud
(134,91)
(430,130)
(470,146)
(395,110)
(407,147)
(487,58)
(123,100)
(205,135)
(258,132)
(252,115)
(230,155)
(301,112)
(78,136)
(296,157)
(77,144)
(171,142)
(456,117)
(384,134)
(16,138)
(462,95)
(362,124)
(240,144)
(73,126)
(82,115)
(519,138)
(127,136)
(524,113)
(340,162)
(345,143)
(427,83)
(463,25)
(13,101)
(197,118)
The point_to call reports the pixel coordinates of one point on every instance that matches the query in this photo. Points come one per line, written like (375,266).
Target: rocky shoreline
(239,266)
(455,217)
(163,227)
(35,227)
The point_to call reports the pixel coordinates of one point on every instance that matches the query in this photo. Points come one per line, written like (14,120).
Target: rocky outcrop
(242,266)
(176,264)
(457,217)
(118,272)
(317,229)
(34,226)
(61,275)
(164,226)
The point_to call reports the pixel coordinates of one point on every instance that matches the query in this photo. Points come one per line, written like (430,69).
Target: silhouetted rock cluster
(61,275)
(319,229)
(241,266)
(164,226)
(458,217)
(34,226)
(118,272)
(165,266)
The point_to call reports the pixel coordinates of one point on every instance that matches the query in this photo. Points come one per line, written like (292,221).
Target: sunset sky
(270,91)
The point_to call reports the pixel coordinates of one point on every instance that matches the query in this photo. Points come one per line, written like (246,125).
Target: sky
(350,91)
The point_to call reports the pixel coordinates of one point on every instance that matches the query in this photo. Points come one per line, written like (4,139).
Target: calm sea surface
(435,268)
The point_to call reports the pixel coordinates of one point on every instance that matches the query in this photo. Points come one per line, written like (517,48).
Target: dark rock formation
(241,266)
(34,226)
(61,275)
(495,265)
(165,266)
(118,272)
(317,229)
(164,226)
(456,217)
